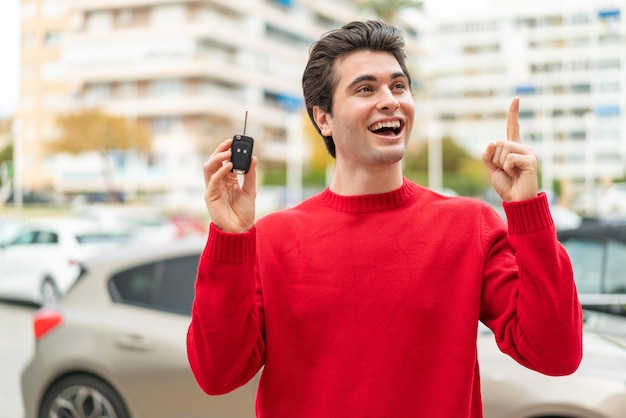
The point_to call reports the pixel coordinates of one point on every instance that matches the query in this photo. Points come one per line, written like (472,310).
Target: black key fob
(241,153)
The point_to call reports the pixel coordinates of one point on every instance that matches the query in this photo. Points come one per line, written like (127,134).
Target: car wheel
(82,396)
(49,293)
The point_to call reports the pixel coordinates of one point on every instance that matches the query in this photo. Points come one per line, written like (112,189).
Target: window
(587,257)
(165,124)
(103,237)
(615,268)
(52,39)
(167,87)
(166,285)
(46,237)
(25,238)
(178,284)
(168,15)
(136,286)
(97,93)
(124,17)
(99,22)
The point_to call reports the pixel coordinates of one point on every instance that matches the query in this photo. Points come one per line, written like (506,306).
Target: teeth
(395,124)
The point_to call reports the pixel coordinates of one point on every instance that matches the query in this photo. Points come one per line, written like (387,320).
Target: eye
(399,86)
(364,89)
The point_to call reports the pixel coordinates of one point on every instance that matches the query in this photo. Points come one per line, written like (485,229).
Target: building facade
(43,85)
(187,70)
(566,60)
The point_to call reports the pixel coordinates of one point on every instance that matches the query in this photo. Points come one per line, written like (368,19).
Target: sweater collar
(369,202)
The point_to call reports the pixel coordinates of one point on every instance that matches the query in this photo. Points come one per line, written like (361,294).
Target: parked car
(613,200)
(596,390)
(598,254)
(42,261)
(9,228)
(116,344)
(149,225)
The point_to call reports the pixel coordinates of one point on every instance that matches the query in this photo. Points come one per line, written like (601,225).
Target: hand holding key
(231,205)
(512,166)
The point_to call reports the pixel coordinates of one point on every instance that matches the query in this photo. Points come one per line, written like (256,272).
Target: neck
(361,181)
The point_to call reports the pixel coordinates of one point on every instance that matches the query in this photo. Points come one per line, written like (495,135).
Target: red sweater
(367,306)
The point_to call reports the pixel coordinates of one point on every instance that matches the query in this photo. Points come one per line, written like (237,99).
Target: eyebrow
(369,77)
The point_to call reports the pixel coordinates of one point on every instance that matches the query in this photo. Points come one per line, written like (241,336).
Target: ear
(322,119)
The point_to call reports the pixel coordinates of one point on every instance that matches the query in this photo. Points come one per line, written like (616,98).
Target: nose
(388,101)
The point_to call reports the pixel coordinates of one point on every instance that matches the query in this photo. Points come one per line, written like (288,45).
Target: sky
(9,56)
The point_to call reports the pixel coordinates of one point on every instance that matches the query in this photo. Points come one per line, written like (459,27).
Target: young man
(363,301)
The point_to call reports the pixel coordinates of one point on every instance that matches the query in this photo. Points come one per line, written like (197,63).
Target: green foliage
(388,10)
(6,153)
(275,176)
(461,172)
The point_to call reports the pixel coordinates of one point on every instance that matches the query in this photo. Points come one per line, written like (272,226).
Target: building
(188,70)
(566,60)
(43,86)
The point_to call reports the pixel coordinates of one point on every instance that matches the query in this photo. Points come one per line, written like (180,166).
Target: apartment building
(566,59)
(43,86)
(188,70)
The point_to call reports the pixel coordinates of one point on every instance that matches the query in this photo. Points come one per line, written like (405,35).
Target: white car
(43,260)
(9,228)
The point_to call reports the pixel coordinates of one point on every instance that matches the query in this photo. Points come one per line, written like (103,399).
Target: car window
(46,237)
(135,286)
(615,268)
(177,285)
(25,238)
(587,257)
(167,285)
(102,237)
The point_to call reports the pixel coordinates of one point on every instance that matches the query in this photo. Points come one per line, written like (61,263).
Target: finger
(489,154)
(216,182)
(512,123)
(249,179)
(214,163)
(223,146)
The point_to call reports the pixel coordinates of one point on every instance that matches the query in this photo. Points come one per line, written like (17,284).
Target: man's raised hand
(512,166)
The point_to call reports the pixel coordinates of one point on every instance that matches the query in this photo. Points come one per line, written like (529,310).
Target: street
(16,347)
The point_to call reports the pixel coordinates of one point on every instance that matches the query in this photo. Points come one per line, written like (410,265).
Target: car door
(26,260)
(149,336)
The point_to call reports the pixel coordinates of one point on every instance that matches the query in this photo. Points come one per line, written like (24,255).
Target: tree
(93,130)
(461,172)
(320,158)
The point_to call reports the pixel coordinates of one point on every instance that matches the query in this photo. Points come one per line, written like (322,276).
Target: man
(363,301)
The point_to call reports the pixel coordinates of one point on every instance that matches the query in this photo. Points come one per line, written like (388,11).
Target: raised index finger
(512,123)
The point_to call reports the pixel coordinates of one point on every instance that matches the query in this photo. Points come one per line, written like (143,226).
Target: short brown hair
(319,80)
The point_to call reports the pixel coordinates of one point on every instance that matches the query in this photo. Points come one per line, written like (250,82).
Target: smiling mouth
(387,128)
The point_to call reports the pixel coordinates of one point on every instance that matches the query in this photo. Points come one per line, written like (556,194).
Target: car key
(242,151)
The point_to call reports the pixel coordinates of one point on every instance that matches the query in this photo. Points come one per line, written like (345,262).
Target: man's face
(373,110)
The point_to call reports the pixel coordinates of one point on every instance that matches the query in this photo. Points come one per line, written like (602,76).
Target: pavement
(16,349)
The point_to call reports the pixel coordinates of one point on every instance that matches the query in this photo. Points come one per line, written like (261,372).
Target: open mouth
(392,127)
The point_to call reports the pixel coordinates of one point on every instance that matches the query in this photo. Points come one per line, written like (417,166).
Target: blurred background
(120,102)
(108,109)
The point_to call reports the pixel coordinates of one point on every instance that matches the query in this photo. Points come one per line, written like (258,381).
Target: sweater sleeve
(225,344)
(530,300)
